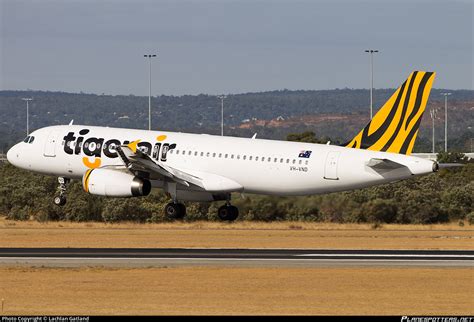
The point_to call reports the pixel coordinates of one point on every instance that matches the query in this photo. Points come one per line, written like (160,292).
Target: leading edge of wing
(133,157)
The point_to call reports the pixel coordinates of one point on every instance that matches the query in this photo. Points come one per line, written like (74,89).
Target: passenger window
(195,154)
(220,155)
(189,153)
(306,162)
(301,161)
(269,159)
(202,154)
(281,160)
(294,161)
(231,156)
(256,158)
(213,155)
(208,154)
(177,151)
(244,157)
(287,160)
(238,157)
(171,152)
(250,158)
(226,155)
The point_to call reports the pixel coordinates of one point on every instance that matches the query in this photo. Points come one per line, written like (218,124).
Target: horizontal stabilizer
(384,164)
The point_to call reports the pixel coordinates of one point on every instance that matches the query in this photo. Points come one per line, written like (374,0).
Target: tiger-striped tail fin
(395,126)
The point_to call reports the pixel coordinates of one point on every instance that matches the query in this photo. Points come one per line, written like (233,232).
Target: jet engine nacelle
(114,183)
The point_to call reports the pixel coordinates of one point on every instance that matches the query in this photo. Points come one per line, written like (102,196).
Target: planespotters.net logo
(437,319)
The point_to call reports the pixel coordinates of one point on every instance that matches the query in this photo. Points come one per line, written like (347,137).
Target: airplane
(118,162)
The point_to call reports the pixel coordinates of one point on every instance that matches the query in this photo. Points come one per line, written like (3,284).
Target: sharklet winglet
(133,146)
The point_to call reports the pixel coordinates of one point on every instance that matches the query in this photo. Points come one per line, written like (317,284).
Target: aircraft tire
(175,210)
(59,200)
(228,213)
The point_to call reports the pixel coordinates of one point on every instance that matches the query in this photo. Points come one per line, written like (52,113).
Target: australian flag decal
(304,154)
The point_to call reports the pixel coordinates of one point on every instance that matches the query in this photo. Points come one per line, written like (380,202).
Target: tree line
(440,197)
(202,113)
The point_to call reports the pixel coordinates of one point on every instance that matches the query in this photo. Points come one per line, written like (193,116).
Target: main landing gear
(228,212)
(60,200)
(175,210)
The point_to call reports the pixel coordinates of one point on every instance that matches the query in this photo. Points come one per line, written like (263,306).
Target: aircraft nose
(13,155)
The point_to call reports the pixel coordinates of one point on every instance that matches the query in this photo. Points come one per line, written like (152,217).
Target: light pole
(27,114)
(371,52)
(446,121)
(222,98)
(149,56)
(433,114)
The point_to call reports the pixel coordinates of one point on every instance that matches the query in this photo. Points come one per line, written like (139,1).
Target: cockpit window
(29,139)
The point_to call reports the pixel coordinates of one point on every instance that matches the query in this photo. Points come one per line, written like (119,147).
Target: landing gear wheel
(59,200)
(175,210)
(228,213)
(182,209)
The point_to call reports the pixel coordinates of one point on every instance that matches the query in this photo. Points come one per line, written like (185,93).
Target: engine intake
(114,183)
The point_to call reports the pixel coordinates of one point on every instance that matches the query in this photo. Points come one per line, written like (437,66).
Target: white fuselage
(259,166)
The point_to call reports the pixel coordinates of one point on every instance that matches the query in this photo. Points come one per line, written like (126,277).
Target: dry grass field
(235,235)
(227,290)
(237,290)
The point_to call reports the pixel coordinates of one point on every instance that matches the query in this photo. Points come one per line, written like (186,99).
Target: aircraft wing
(134,159)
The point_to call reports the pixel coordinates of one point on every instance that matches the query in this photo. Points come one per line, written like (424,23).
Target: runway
(138,257)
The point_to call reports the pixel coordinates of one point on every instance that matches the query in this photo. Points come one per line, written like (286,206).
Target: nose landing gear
(60,200)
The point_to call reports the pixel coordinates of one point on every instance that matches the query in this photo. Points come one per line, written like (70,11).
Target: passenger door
(50,145)
(330,169)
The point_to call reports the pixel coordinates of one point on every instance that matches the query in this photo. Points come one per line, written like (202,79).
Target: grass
(235,235)
(234,291)
(4,223)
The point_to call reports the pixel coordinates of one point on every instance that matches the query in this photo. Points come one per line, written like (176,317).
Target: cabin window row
(237,157)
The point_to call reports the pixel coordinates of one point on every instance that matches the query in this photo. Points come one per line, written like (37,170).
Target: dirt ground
(234,291)
(235,235)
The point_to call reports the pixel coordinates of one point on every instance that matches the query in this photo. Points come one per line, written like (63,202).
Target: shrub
(380,211)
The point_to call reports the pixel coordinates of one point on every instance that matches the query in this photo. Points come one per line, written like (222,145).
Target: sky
(229,46)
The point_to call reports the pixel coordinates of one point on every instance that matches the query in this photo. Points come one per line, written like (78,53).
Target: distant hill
(337,113)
